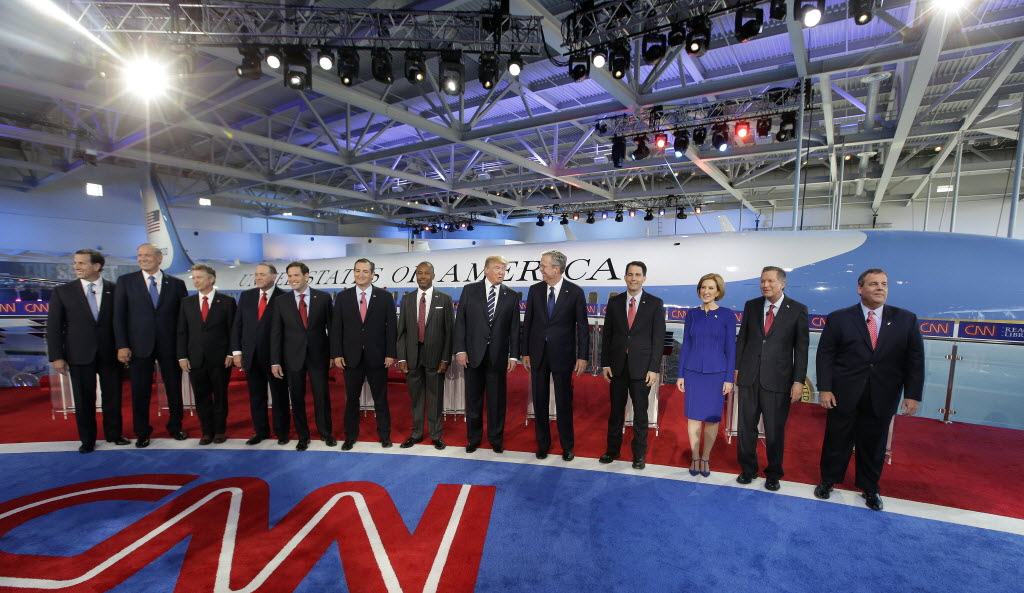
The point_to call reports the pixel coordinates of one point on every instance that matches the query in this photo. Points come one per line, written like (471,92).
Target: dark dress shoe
(119,441)
(498,449)
(439,444)
(219,438)
(873,501)
(347,445)
(542,454)
(255,440)
(302,445)
(205,440)
(282,441)
(608,458)
(744,478)
(568,455)
(181,435)
(86,448)
(772,484)
(409,442)
(823,490)
(331,442)
(386,443)
(639,463)
(142,443)
(471,448)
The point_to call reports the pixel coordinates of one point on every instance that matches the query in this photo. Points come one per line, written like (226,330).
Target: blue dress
(707,358)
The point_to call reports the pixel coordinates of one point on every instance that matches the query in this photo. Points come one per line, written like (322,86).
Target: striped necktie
(491,299)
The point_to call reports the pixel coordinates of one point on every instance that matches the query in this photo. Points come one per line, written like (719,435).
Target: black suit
(768,365)
(554,344)
(488,344)
(305,349)
(424,358)
(151,333)
(87,346)
(206,345)
(630,353)
(250,335)
(364,345)
(867,384)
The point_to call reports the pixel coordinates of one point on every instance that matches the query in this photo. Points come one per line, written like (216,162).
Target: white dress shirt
(98,287)
(159,276)
(777,304)
(878,318)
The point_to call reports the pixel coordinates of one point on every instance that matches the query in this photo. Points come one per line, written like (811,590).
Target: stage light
(749,22)
(451,72)
(649,216)
(298,70)
(435,228)
(146,77)
(660,141)
(348,66)
(599,58)
(720,137)
(380,66)
(575,215)
(251,61)
(641,152)
(469,227)
(697,209)
(681,143)
(540,220)
(325,59)
(777,10)
(579,67)
(604,215)
(681,214)
(742,129)
(677,34)
(590,218)
(787,127)
(700,134)
(565,220)
(618,151)
(273,58)
(515,64)
(618,60)
(488,73)
(415,68)
(764,127)
(632,212)
(653,47)
(847,157)
(862,11)
(618,216)
(551,218)
(698,40)
(809,12)
(661,211)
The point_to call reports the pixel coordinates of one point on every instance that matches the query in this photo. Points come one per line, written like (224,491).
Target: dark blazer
(290,342)
(437,340)
(709,342)
(566,335)
(474,332)
(250,335)
(780,358)
(72,334)
(205,342)
(137,324)
(847,365)
(353,338)
(644,341)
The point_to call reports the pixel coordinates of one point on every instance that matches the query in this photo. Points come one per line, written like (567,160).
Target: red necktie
(302,310)
(206,308)
(872,329)
(421,321)
(362,306)
(631,314)
(262,307)
(769,318)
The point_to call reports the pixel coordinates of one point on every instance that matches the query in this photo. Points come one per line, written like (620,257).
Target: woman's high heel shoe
(706,472)
(694,470)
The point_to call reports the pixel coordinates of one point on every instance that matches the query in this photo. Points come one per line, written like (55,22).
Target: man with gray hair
(556,340)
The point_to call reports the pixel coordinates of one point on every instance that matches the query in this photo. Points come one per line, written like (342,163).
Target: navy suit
(250,335)
(151,333)
(206,345)
(867,384)
(86,344)
(554,343)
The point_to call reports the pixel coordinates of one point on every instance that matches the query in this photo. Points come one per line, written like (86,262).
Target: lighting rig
(434,225)
(590,213)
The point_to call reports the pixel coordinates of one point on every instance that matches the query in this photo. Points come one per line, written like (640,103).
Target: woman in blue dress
(707,361)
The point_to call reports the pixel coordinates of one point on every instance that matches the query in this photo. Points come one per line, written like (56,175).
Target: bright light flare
(146,77)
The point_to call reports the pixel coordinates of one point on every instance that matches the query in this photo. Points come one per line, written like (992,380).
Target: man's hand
(60,366)
(442,368)
(403,366)
(238,360)
(462,358)
(228,361)
(652,378)
(185,366)
(526,362)
(827,399)
(511,365)
(581,365)
(124,355)
(727,388)
(277,371)
(796,392)
(680,385)
(340,362)
(607,372)
(910,407)
(388,361)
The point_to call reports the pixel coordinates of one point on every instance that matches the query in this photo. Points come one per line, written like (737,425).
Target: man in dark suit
(631,350)
(486,343)
(80,340)
(556,340)
(204,350)
(868,355)
(299,345)
(425,325)
(363,343)
(146,328)
(250,348)
(771,366)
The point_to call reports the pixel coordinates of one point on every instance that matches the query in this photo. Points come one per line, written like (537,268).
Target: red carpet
(958,465)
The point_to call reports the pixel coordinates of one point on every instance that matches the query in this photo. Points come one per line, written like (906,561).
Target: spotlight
(380,66)
(462,225)
(618,60)
(325,59)
(551,218)
(720,137)
(677,35)
(777,10)
(146,77)
(348,66)
(590,218)
(434,229)
(764,127)
(681,214)
(661,211)
(862,11)
(697,209)
(250,67)
(698,40)
(787,127)
(579,67)
(641,151)
(415,66)
(575,215)
(565,220)
(540,220)
(742,129)
(700,135)
(601,128)
(653,47)
(618,151)
(604,215)
(632,212)
(749,22)
(451,72)
(469,227)
(809,12)
(273,58)
(599,58)
(515,64)
(681,143)
(298,70)
(649,217)
(488,71)
(618,216)
(660,141)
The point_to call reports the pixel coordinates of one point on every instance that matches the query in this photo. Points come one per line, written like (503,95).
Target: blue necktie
(92,301)
(490,303)
(551,301)
(153,294)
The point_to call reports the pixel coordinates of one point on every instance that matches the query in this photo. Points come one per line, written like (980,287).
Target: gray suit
(424,358)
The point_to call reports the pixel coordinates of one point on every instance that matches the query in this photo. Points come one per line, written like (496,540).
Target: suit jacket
(290,342)
(847,365)
(355,339)
(137,324)
(72,334)
(205,342)
(437,334)
(644,341)
(250,335)
(565,336)
(476,334)
(779,358)
(709,342)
